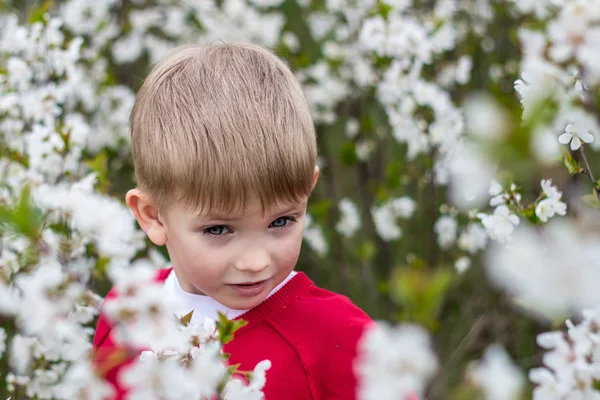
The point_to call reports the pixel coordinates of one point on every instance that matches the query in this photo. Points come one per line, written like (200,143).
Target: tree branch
(588,171)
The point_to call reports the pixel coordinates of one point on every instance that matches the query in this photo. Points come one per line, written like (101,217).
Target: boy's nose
(253,260)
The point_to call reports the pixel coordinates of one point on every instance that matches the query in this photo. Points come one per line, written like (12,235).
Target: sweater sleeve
(325,329)
(334,375)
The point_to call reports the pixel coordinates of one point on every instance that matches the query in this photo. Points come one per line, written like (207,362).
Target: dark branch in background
(343,284)
(383,258)
(589,103)
(588,171)
(432,253)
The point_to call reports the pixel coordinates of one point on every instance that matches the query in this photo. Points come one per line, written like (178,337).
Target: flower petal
(586,137)
(575,143)
(565,138)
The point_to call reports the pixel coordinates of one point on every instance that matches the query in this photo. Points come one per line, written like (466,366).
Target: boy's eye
(216,230)
(282,222)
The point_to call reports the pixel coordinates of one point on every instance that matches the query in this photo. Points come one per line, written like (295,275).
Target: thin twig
(588,171)
(475,331)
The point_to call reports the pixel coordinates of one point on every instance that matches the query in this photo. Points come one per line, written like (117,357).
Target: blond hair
(214,125)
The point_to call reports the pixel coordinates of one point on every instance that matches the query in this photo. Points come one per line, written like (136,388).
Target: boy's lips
(249,289)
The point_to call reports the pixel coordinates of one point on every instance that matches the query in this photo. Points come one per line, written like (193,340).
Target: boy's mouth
(249,289)
(248,283)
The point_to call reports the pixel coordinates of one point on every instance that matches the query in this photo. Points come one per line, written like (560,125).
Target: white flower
(575,138)
(473,238)
(236,390)
(2,341)
(554,270)
(162,375)
(313,234)
(350,218)
(352,127)
(23,349)
(385,223)
(445,227)
(385,217)
(291,41)
(463,69)
(541,80)
(495,188)
(393,362)
(81,381)
(500,225)
(470,174)
(19,73)
(373,34)
(496,375)
(9,298)
(462,264)
(541,8)
(571,361)
(143,312)
(403,207)
(551,205)
(544,145)
(364,148)
(486,119)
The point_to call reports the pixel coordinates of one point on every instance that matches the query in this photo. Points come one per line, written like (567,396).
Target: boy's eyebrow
(229,217)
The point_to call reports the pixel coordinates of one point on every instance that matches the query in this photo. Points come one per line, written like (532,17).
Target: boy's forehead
(249,208)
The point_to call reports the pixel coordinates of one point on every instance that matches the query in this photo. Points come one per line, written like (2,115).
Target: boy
(224,149)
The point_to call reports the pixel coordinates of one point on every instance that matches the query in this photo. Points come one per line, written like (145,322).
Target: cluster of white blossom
(394,362)
(445,228)
(571,362)
(58,110)
(560,64)
(554,270)
(386,215)
(157,27)
(496,376)
(49,107)
(185,360)
(349,222)
(313,234)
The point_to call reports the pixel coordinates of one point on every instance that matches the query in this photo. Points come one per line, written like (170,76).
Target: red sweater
(309,334)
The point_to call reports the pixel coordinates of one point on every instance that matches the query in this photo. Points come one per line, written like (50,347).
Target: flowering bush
(455,138)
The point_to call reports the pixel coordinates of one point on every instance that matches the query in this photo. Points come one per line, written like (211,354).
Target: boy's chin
(235,301)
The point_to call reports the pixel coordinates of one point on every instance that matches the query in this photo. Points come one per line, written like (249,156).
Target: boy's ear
(147,216)
(315,177)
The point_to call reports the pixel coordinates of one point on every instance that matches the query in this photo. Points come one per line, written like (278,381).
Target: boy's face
(235,259)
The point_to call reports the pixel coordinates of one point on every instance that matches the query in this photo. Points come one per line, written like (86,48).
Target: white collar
(203,306)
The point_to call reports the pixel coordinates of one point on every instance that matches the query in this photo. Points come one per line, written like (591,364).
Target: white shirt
(203,306)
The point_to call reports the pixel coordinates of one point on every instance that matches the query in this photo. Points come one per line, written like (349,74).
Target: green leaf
(24,217)
(591,200)
(227,328)
(37,14)
(320,209)
(393,172)
(187,318)
(348,154)
(101,265)
(421,292)
(529,214)
(366,251)
(232,369)
(99,165)
(573,166)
